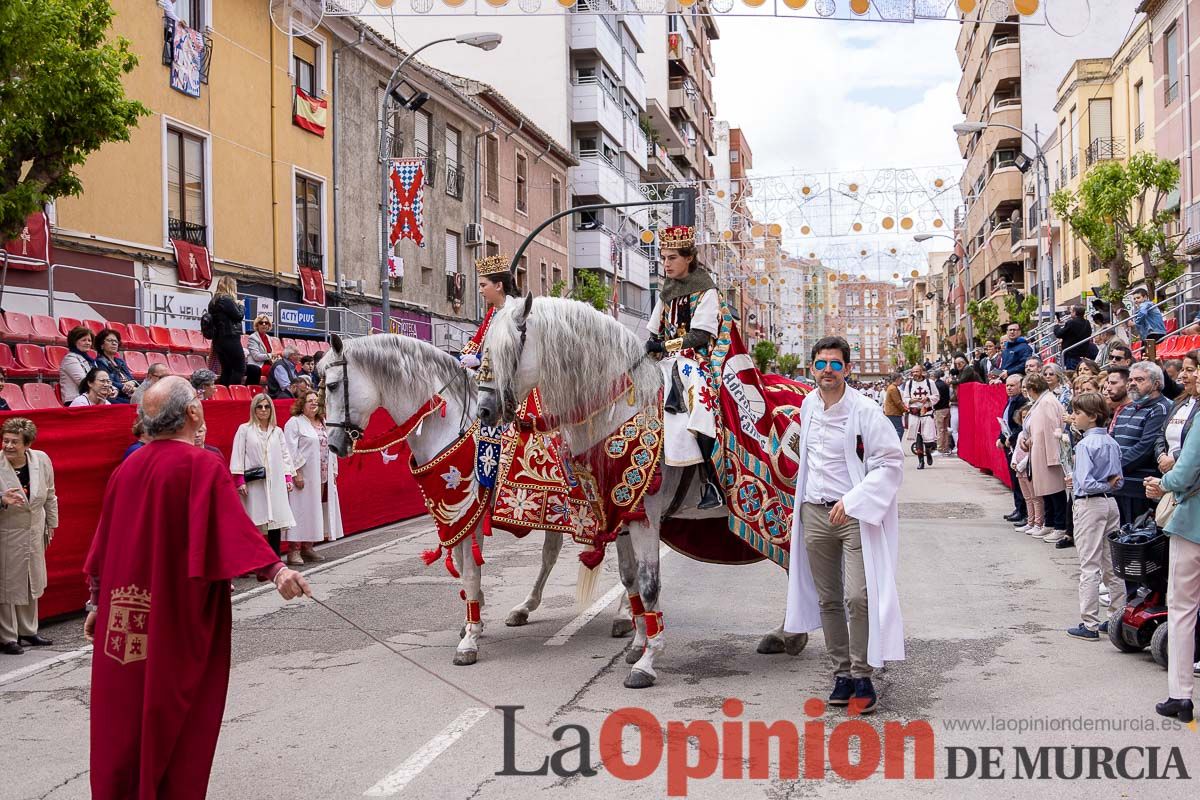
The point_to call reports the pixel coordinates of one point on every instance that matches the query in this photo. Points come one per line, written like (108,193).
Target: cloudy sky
(836,95)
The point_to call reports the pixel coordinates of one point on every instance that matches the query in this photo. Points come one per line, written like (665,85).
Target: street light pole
(484,41)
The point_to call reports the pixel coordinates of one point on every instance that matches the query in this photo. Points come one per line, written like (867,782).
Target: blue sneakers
(843,688)
(1081,632)
(864,697)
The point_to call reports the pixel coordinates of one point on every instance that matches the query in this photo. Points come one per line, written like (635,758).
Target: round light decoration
(888,223)
(939,183)
(937,223)
(497,3)
(795,5)
(384,3)
(892,251)
(720,193)
(806,190)
(896,276)
(457,3)
(860,7)
(1025,7)
(804,229)
(966,6)
(647,237)
(857,227)
(915,274)
(687,2)
(566,3)
(775,229)
(853,187)
(754,3)
(721,6)
(825,7)
(756,231)
(862,253)
(727,235)
(906,223)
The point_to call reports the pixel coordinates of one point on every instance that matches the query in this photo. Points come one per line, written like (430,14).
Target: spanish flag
(310,113)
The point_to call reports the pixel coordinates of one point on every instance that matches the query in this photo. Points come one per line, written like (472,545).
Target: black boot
(676,396)
(711,495)
(1182,710)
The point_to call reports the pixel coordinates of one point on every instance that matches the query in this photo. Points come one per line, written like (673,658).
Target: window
(491,249)
(545,277)
(555,275)
(422,132)
(185,187)
(556,202)
(492,162)
(523,274)
(190,12)
(522,186)
(309,247)
(453,245)
(304,69)
(454,174)
(1137,103)
(1171,62)
(733,156)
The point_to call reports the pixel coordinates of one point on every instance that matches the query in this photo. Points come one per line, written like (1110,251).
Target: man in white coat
(845,529)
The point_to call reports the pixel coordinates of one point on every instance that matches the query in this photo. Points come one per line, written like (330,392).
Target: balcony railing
(1001,41)
(1006,102)
(1105,150)
(1075,267)
(1062,176)
(311,260)
(191,232)
(454,181)
(1016,233)
(1170,92)
(1093,264)
(1139,132)
(1074,166)
(168,53)
(422,151)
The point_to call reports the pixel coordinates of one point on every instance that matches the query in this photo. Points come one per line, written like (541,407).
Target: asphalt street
(318,708)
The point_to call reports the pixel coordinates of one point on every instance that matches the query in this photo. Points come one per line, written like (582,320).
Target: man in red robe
(172,534)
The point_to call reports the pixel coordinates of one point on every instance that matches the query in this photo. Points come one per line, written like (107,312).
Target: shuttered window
(492,160)
(1100,114)
(452,248)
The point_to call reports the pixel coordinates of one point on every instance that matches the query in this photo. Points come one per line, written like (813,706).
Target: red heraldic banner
(160,670)
(195,268)
(31,249)
(406,200)
(312,286)
(310,113)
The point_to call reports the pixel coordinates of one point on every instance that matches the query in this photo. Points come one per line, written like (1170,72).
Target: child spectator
(1096,474)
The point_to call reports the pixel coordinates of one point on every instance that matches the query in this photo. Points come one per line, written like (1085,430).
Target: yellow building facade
(230,169)
(1105,112)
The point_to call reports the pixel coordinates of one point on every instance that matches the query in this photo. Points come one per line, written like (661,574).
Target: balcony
(593,250)
(659,165)
(596,176)
(1104,150)
(636,145)
(430,156)
(1139,132)
(679,96)
(596,33)
(1000,64)
(190,232)
(594,104)
(454,180)
(304,258)
(1074,166)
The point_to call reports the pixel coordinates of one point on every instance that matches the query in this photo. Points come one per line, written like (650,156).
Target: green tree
(764,354)
(787,363)
(61,99)
(1021,311)
(910,346)
(985,316)
(589,288)
(1118,215)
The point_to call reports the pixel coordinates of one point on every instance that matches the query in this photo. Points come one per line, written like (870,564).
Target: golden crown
(676,237)
(131,596)
(491,265)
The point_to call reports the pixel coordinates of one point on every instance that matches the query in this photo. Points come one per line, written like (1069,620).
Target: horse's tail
(586,581)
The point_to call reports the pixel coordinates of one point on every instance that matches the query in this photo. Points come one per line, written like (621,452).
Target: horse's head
(510,358)
(350,397)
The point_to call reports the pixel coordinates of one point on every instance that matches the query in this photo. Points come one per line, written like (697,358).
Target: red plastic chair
(276,344)
(137,363)
(155,358)
(199,343)
(239,392)
(177,362)
(20,325)
(122,330)
(11,367)
(161,337)
(54,356)
(15,398)
(41,395)
(221,393)
(137,337)
(32,356)
(95,325)
(45,330)
(6,333)
(180,343)
(67,324)
(196,362)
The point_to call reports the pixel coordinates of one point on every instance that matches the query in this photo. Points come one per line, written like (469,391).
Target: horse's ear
(527,307)
(336,341)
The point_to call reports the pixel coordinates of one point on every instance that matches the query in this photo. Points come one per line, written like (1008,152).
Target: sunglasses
(836,366)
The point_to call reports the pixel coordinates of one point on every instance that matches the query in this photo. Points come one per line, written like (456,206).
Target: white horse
(593,376)
(402,374)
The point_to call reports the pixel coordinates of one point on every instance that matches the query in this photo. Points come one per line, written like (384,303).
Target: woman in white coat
(262,469)
(314,497)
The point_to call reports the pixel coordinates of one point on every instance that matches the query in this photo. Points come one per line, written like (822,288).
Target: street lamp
(484,41)
(1042,182)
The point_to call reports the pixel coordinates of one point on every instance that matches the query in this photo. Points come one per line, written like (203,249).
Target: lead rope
(420,666)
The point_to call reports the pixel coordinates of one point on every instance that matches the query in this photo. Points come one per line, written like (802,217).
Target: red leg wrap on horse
(636,607)
(654,624)
(472,612)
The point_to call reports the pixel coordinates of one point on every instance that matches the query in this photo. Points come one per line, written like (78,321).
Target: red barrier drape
(86,444)
(980,407)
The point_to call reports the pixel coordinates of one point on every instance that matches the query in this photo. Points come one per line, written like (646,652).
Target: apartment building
(1105,113)
(1174,28)
(803,297)
(730,202)
(231,174)
(866,316)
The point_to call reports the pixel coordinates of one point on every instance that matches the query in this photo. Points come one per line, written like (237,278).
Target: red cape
(171,534)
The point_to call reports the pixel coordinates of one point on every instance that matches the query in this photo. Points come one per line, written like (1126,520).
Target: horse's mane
(585,356)
(401,364)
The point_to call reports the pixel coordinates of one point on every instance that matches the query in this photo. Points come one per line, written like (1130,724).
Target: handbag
(254,473)
(1167,505)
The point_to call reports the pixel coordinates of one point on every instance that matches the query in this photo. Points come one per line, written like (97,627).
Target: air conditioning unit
(474,233)
(351,285)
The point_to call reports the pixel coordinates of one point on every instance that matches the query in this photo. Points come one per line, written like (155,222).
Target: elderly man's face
(1033,365)
(1013,385)
(1141,385)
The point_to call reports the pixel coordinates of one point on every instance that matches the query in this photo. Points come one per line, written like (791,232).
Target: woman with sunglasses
(259,350)
(262,470)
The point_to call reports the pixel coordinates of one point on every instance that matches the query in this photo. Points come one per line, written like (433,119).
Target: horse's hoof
(639,680)
(634,655)
(622,627)
(465,658)
(793,645)
(771,644)
(516,618)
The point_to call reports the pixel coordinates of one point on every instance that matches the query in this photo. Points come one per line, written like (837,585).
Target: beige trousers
(1183,603)
(18,620)
(836,559)
(1094,518)
(941,418)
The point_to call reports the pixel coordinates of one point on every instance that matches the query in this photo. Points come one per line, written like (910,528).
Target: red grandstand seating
(178,364)
(45,330)
(180,343)
(221,393)
(276,344)
(95,325)
(161,337)
(7,333)
(155,358)
(122,330)
(15,398)
(67,324)
(20,325)
(41,395)
(138,337)
(196,362)
(54,355)
(137,363)
(11,366)
(34,357)
(199,343)
(242,393)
